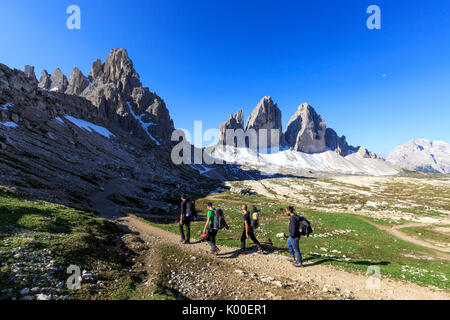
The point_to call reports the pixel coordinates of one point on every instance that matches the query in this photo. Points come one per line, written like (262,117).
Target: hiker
(209,230)
(294,237)
(248,231)
(185,220)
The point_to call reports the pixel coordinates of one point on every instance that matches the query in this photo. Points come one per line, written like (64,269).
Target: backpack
(191,211)
(305,227)
(255,220)
(219,220)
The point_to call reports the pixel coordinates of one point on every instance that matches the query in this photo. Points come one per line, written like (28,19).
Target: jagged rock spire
(77,82)
(306,130)
(56,82)
(29,71)
(117,90)
(234,122)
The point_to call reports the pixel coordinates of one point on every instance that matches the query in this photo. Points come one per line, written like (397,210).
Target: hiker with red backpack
(249,231)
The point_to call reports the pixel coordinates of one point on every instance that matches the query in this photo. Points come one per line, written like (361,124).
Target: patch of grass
(364,244)
(70,237)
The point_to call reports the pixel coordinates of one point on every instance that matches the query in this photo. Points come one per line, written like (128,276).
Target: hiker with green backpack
(215,221)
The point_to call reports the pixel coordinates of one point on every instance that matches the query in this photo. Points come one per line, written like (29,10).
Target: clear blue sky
(209,58)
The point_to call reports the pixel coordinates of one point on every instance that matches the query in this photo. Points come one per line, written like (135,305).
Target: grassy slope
(70,237)
(365,245)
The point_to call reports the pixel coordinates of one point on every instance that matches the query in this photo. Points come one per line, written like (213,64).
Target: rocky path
(327,279)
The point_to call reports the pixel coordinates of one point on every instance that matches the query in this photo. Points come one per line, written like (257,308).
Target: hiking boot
(186,242)
(298,265)
(291,259)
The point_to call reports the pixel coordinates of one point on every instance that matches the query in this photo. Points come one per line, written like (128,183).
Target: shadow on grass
(320,261)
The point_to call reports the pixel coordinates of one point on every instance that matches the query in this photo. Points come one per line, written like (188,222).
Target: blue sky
(208,59)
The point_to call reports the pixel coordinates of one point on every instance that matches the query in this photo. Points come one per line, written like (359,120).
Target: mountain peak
(117,90)
(422,155)
(306,130)
(266,115)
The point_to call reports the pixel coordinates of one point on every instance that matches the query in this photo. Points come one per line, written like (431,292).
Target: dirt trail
(273,265)
(395,231)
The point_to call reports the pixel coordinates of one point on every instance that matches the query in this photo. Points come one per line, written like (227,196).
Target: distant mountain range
(422,155)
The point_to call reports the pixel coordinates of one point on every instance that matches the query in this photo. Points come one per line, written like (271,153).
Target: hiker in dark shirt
(185,221)
(248,231)
(209,230)
(294,237)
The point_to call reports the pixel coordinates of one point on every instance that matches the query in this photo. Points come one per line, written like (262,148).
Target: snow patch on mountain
(90,126)
(6,106)
(144,125)
(9,124)
(327,161)
(422,155)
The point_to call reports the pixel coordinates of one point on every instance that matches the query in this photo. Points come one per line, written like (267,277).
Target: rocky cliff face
(45,81)
(267,116)
(63,148)
(114,87)
(306,131)
(338,144)
(77,83)
(117,91)
(235,122)
(29,72)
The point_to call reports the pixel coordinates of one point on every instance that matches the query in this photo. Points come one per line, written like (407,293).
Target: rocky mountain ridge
(114,87)
(306,131)
(65,149)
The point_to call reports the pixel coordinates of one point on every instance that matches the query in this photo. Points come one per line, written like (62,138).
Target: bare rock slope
(64,148)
